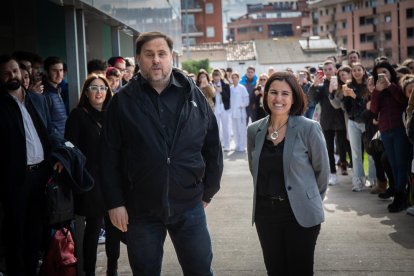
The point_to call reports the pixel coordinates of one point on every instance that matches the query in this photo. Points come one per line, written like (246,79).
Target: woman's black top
(270,179)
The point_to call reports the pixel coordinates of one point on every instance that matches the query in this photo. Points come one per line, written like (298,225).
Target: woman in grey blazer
(290,167)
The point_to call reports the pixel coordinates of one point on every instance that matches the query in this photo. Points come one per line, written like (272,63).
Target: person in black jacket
(83,129)
(26,140)
(332,120)
(161,162)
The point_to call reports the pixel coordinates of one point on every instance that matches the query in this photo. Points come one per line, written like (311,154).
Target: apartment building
(201,21)
(374,27)
(264,21)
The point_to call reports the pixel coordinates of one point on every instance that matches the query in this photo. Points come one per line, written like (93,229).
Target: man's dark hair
(96,65)
(113,60)
(354,52)
(6,58)
(148,36)
(299,99)
(51,61)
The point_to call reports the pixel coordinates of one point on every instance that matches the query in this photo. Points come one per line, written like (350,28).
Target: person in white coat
(239,99)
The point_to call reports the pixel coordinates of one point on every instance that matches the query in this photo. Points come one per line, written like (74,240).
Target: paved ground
(359,236)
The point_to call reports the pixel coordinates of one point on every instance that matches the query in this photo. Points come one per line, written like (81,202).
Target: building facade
(201,21)
(373,27)
(264,21)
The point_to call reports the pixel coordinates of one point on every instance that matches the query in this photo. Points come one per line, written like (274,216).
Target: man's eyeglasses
(96,88)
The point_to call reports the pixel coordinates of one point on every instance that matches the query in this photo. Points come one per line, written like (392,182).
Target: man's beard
(12,85)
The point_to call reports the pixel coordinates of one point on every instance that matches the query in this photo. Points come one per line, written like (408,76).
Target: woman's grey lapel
(290,137)
(258,144)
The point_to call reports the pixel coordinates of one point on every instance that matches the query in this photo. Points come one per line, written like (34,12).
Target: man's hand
(317,80)
(119,218)
(58,167)
(37,87)
(205,204)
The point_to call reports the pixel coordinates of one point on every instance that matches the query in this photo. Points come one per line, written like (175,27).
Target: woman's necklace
(275,134)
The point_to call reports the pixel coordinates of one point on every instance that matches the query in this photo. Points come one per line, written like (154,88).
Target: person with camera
(389,103)
(332,119)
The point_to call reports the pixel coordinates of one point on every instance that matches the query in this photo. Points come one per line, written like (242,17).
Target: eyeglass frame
(97,88)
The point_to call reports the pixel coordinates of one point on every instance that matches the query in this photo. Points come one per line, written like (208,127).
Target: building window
(410,32)
(210,32)
(326,12)
(344,25)
(321,12)
(209,8)
(387,18)
(366,21)
(409,13)
(321,28)
(371,3)
(191,41)
(190,21)
(315,30)
(410,51)
(345,41)
(347,8)
(369,55)
(389,1)
(259,29)
(388,36)
(242,30)
(365,38)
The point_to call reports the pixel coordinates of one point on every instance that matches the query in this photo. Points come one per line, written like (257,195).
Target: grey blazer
(305,166)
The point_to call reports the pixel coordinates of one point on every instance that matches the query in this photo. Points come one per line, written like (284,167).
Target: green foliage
(194,66)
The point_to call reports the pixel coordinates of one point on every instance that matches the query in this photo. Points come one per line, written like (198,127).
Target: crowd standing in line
(361,111)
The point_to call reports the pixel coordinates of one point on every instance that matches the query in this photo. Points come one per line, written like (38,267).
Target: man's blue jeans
(189,234)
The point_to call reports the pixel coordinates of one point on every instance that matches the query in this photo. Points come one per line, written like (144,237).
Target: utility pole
(187,41)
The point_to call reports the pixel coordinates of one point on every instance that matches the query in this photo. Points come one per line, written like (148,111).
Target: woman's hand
(349,92)
(382,84)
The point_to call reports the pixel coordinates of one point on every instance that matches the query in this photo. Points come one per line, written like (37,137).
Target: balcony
(193,6)
(193,31)
(326,19)
(366,28)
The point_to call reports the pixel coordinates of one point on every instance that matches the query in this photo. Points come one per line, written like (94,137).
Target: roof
(237,51)
(293,50)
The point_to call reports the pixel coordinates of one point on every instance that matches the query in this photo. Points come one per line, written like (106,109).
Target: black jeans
(341,146)
(288,248)
(24,223)
(90,243)
(113,238)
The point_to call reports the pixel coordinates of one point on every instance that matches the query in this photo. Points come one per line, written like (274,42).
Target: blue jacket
(57,107)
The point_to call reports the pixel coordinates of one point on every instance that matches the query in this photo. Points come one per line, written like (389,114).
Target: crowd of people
(156,156)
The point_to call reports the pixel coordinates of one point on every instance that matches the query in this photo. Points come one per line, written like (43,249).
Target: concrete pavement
(359,236)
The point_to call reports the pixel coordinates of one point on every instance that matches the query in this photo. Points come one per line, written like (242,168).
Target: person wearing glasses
(258,92)
(83,129)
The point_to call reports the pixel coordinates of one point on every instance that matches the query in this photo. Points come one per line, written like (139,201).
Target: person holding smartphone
(389,102)
(332,120)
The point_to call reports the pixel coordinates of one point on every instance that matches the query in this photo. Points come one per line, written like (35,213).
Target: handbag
(59,200)
(60,257)
(374,146)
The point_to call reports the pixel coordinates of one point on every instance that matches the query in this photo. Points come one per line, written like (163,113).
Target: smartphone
(381,77)
(320,73)
(302,76)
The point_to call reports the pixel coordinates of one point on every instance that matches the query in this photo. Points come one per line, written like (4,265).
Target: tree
(194,66)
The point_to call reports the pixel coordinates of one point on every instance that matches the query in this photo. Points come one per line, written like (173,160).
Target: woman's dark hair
(83,100)
(365,92)
(202,72)
(403,70)
(344,68)
(23,67)
(388,66)
(299,99)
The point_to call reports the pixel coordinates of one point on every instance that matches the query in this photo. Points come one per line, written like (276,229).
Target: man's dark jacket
(138,169)
(225,95)
(13,140)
